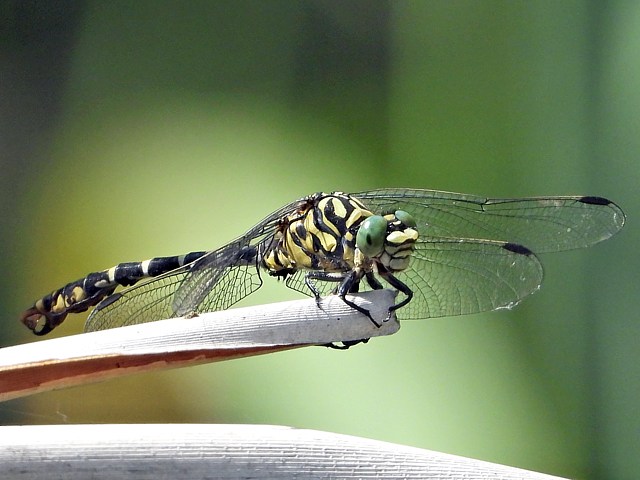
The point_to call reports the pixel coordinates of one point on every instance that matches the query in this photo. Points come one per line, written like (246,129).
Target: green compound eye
(405,218)
(371,235)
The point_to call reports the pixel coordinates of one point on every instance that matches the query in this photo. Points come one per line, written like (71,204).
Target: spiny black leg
(345,345)
(373,281)
(312,286)
(347,286)
(398,285)
(362,310)
(323,276)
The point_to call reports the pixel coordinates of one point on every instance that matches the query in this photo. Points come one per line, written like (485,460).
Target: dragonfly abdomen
(80,295)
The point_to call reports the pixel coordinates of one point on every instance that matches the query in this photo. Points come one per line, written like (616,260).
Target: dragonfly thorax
(320,235)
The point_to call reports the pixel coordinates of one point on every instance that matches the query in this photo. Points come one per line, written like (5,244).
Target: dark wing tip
(619,217)
(590,200)
(517,248)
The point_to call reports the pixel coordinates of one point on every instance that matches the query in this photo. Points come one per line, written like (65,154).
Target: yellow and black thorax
(335,232)
(320,235)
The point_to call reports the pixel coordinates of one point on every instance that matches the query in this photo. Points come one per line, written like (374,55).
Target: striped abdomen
(86,292)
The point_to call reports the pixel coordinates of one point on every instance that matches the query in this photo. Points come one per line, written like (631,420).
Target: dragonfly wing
(147,301)
(218,280)
(211,283)
(296,281)
(544,224)
(463,276)
(451,277)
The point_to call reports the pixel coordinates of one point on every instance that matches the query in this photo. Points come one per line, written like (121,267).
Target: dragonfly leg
(401,287)
(373,281)
(350,284)
(345,345)
(312,276)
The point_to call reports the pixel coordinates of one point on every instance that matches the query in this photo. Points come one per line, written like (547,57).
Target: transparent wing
(458,277)
(218,280)
(544,224)
(215,281)
(296,281)
(154,299)
(146,301)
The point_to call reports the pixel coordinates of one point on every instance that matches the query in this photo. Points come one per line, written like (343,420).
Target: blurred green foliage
(161,127)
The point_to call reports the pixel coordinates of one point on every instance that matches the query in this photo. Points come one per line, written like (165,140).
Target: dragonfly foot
(345,345)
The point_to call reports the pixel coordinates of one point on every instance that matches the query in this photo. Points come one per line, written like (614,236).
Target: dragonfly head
(388,239)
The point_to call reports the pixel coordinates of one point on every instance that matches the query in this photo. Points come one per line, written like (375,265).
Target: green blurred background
(137,129)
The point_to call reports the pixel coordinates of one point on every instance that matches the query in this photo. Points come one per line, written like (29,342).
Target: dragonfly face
(388,239)
(448,253)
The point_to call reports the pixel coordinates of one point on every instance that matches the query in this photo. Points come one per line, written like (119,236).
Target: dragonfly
(447,254)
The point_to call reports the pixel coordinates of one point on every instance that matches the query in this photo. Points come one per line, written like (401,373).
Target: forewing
(544,224)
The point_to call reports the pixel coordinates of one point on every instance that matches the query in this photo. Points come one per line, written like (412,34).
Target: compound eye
(405,218)
(371,235)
